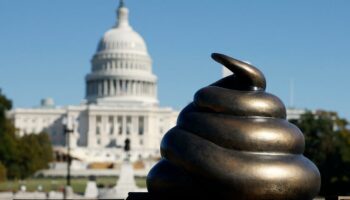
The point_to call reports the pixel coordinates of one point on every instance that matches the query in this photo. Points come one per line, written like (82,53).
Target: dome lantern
(122,15)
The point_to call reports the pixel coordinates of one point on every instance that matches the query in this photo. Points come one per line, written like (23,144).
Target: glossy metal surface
(233,142)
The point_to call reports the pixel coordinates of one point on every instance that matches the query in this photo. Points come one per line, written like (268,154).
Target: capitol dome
(121,71)
(122,37)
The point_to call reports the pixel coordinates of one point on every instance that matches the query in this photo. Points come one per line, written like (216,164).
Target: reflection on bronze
(234,142)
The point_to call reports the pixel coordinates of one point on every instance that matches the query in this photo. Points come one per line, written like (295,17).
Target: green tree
(2,172)
(21,156)
(327,144)
(9,149)
(5,104)
(36,153)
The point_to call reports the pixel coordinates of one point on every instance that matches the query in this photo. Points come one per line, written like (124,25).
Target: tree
(9,152)
(23,156)
(36,153)
(2,172)
(327,144)
(5,104)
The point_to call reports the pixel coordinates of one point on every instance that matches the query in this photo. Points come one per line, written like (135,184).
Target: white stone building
(121,103)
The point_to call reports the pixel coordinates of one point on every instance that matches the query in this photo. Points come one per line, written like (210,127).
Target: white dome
(122,37)
(121,71)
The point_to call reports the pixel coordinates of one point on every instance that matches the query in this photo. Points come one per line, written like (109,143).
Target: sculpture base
(149,196)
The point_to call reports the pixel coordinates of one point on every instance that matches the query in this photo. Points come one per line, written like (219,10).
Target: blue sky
(46,46)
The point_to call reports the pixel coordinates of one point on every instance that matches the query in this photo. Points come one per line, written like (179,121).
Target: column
(120,87)
(88,86)
(137,88)
(94,88)
(127,87)
(90,134)
(99,88)
(141,92)
(130,87)
(117,87)
(124,125)
(123,87)
(152,89)
(111,88)
(147,89)
(115,83)
(142,87)
(134,88)
(104,87)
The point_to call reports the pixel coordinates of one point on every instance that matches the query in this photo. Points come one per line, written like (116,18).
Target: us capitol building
(121,104)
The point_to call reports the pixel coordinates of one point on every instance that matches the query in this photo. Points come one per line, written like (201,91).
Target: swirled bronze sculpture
(234,142)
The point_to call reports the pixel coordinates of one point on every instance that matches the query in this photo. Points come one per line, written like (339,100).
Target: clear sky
(46,46)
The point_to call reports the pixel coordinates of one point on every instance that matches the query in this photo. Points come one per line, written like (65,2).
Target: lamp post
(67,132)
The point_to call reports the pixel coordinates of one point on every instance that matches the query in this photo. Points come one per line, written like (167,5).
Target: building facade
(121,104)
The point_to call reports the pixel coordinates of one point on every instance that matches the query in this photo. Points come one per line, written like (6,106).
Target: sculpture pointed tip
(218,56)
(242,70)
(214,55)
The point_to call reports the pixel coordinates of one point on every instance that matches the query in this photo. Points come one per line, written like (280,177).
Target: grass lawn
(140,182)
(56,184)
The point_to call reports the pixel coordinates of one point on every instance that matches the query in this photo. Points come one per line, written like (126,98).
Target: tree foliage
(36,153)
(21,156)
(2,172)
(327,144)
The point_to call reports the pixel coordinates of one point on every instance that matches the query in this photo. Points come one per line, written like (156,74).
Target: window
(120,125)
(98,130)
(111,129)
(98,119)
(128,125)
(110,119)
(141,125)
(128,129)
(111,125)
(98,124)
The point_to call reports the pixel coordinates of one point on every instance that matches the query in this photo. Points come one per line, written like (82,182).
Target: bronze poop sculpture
(234,142)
